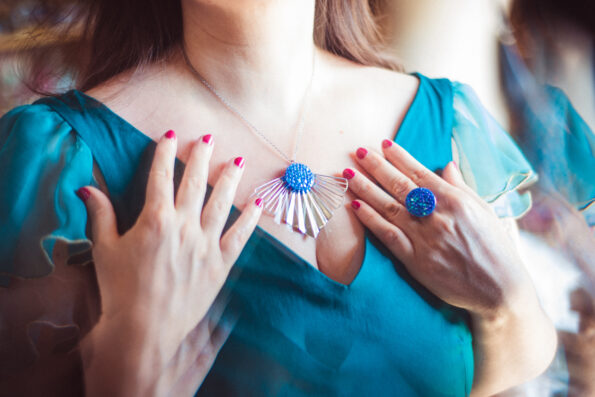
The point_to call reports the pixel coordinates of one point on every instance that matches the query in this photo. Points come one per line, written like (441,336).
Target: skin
(181,244)
(263,69)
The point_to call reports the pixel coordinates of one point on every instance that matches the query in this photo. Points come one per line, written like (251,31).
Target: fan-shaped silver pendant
(301,199)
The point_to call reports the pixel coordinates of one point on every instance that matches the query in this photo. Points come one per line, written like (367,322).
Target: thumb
(101,214)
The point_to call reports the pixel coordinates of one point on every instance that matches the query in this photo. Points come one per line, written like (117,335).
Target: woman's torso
(298,331)
(350,106)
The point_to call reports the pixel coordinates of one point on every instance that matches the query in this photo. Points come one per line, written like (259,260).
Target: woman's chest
(301,331)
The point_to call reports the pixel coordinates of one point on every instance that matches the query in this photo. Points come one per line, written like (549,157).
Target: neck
(256,54)
(425,27)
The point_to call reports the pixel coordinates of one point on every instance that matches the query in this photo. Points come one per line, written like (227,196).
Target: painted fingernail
(170,134)
(348,173)
(83,194)
(239,161)
(386,143)
(208,139)
(355,204)
(361,153)
(258,202)
(456,165)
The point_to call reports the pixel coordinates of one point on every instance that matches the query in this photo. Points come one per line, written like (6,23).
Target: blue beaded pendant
(301,199)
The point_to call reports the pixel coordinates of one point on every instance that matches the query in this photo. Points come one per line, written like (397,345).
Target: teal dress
(296,332)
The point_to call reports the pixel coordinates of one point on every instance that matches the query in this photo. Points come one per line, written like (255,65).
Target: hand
(461,252)
(159,279)
(464,255)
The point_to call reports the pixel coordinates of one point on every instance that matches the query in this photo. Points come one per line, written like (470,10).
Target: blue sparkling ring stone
(298,177)
(420,202)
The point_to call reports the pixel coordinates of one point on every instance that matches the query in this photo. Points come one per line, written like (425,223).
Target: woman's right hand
(159,279)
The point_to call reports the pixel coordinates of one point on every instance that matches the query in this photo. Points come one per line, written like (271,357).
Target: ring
(420,202)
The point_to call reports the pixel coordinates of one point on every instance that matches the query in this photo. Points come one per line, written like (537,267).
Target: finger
(237,236)
(452,175)
(410,167)
(101,215)
(160,186)
(393,237)
(394,181)
(191,193)
(217,208)
(372,194)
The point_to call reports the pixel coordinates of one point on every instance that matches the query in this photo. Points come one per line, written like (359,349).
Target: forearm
(120,360)
(511,346)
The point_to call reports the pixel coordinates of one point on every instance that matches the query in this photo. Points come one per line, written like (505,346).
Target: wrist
(120,358)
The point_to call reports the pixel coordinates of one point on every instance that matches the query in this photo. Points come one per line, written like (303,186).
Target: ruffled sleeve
(43,162)
(490,161)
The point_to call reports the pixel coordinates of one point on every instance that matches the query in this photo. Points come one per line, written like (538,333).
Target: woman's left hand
(464,255)
(461,252)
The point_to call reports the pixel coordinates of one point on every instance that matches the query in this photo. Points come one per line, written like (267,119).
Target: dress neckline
(397,138)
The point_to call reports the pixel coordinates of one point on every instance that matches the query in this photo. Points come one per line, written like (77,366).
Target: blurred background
(531,62)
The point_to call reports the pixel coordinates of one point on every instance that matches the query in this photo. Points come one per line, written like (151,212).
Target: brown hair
(118,35)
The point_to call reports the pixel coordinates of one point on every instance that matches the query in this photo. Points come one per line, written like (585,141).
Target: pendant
(301,199)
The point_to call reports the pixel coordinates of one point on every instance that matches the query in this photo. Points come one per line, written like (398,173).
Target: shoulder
(43,162)
(369,83)
(32,124)
(32,114)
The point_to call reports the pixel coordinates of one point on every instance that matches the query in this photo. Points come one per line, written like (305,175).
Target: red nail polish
(386,143)
(83,194)
(208,139)
(355,204)
(239,161)
(258,202)
(170,134)
(348,173)
(361,153)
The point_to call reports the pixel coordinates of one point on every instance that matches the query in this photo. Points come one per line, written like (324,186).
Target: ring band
(420,202)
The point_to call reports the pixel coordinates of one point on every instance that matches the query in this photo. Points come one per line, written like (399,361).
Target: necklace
(301,199)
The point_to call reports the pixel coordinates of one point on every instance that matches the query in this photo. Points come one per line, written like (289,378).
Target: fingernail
(386,143)
(239,161)
(170,134)
(83,194)
(348,173)
(361,153)
(208,139)
(355,204)
(456,165)
(258,202)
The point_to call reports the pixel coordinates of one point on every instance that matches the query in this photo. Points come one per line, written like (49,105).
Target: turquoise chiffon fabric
(296,332)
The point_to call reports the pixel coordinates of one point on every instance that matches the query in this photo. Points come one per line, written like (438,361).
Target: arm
(119,360)
(464,255)
(513,344)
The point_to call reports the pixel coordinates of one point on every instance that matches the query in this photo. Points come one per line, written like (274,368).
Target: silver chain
(231,108)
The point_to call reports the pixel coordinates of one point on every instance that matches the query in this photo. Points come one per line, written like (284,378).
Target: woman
(337,314)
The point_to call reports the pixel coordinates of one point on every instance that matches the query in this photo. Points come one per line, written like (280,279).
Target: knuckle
(419,175)
(188,232)
(457,204)
(444,224)
(365,188)
(194,182)
(162,173)
(398,187)
(219,206)
(159,218)
(392,237)
(392,210)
